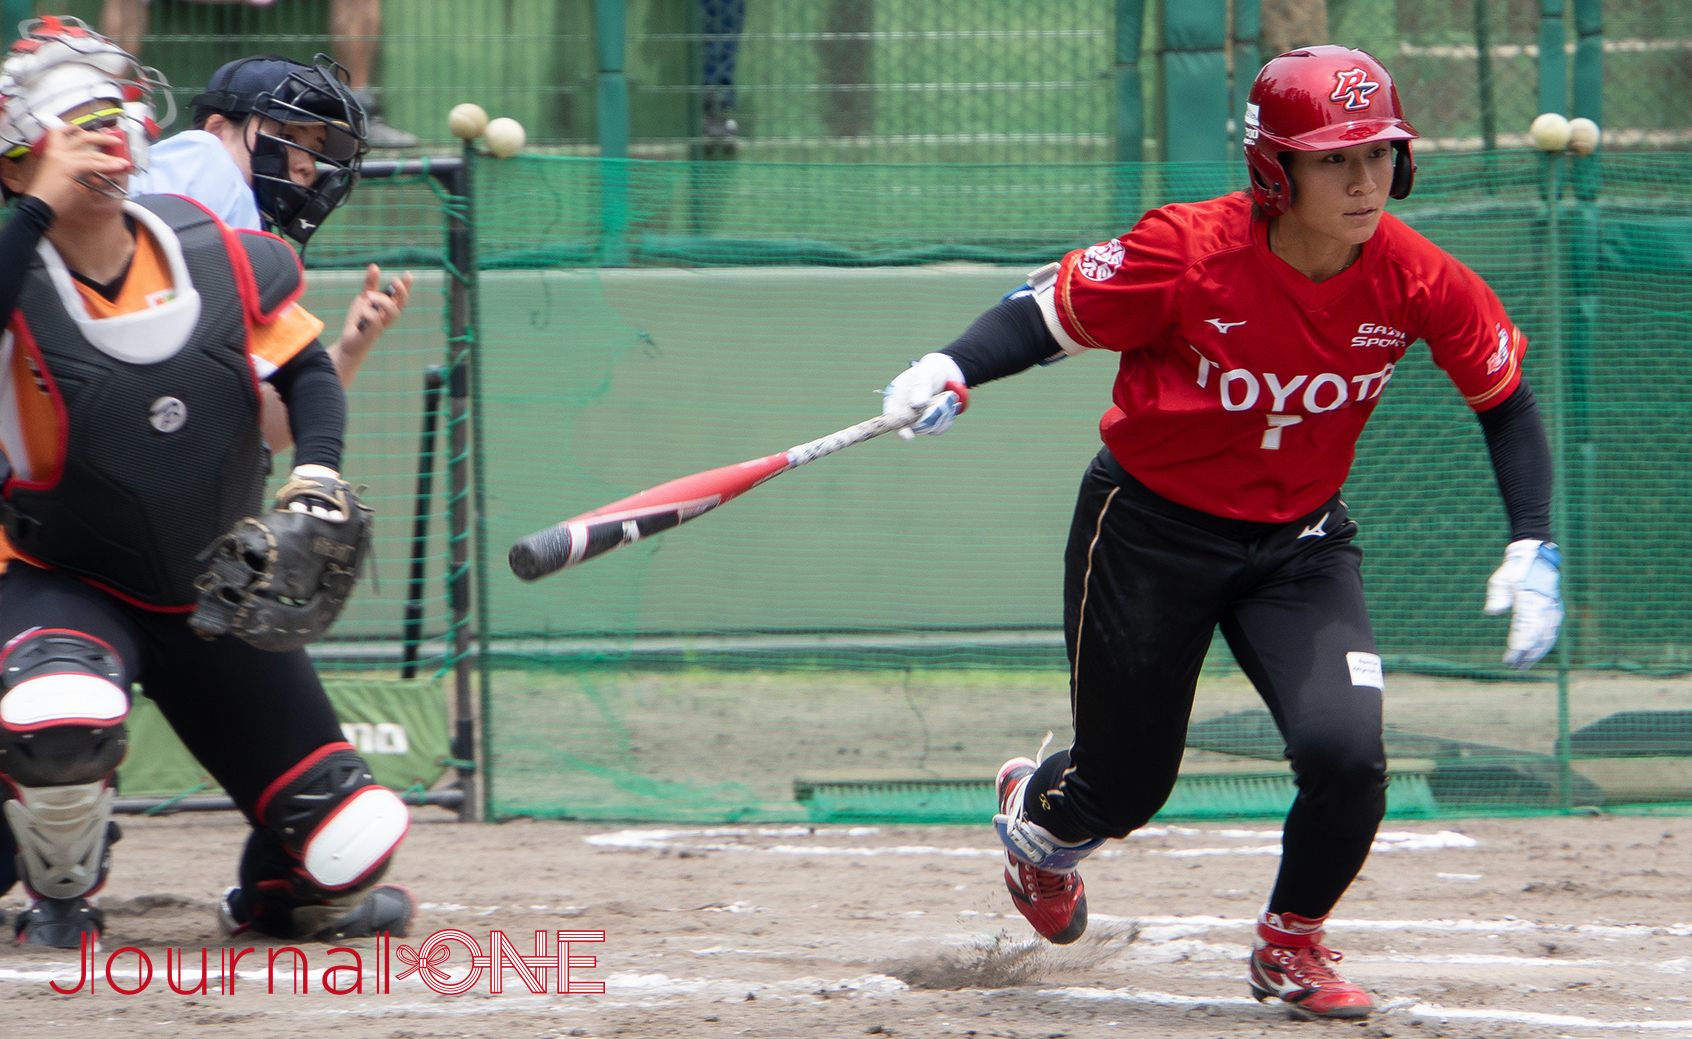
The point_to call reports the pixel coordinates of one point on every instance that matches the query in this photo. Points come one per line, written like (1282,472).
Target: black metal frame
(461,375)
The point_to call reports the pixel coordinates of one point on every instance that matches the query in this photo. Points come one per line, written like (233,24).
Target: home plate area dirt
(1573,926)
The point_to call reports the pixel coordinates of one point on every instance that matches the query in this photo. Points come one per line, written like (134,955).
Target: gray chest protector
(162,452)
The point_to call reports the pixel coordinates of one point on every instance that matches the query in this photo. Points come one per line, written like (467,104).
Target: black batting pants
(247,715)
(1146,583)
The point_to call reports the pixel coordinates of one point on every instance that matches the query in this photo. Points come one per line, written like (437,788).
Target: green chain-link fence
(925,80)
(871,636)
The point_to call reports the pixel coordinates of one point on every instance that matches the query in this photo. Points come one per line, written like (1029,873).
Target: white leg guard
(61,738)
(328,833)
(62,837)
(337,823)
(359,837)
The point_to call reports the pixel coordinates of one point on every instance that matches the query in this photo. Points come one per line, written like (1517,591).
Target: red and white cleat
(1291,964)
(1052,899)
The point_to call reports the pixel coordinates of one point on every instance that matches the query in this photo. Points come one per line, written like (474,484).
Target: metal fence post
(1560,423)
(461,357)
(1130,110)
(1483,77)
(1247,60)
(610,32)
(1589,60)
(1553,64)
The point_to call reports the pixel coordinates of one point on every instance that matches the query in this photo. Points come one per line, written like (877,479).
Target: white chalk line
(1159,928)
(1146,997)
(683,840)
(619,983)
(1188,950)
(654,988)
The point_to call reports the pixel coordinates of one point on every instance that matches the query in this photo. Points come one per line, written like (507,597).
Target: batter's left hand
(374,309)
(1529,585)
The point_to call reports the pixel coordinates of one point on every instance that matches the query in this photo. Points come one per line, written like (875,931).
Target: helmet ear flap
(1271,182)
(1403,170)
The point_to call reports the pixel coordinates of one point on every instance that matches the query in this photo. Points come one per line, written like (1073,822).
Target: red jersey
(1244,385)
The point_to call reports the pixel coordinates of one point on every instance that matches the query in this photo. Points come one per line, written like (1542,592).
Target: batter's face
(1341,194)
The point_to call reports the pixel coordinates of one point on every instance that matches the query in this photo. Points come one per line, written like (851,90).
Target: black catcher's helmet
(278,88)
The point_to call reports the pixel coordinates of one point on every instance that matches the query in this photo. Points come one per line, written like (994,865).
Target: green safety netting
(869,637)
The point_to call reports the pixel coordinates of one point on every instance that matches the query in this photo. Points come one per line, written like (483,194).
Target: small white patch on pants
(1365,670)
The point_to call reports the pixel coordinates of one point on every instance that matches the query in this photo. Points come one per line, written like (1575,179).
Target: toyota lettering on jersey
(1243,385)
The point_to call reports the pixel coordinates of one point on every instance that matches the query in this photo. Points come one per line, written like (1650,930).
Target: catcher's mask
(281,91)
(59,64)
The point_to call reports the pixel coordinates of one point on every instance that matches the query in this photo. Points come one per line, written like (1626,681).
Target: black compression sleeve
(317,406)
(30,219)
(1521,459)
(1010,338)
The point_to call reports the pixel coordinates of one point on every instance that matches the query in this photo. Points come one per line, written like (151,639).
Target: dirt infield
(1530,928)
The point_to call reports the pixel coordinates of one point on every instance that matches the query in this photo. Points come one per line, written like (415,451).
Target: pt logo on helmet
(167,414)
(1352,88)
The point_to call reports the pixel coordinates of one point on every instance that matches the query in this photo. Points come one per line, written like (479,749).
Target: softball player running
(1257,332)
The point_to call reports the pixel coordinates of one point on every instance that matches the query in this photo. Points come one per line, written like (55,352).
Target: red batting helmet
(1321,99)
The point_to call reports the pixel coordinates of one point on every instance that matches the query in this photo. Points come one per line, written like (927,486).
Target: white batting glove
(1529,584)
(922,388)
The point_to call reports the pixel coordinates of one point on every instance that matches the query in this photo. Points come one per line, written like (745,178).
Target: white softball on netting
(1583,136)
(467,121)
(1550,132)
(505,138)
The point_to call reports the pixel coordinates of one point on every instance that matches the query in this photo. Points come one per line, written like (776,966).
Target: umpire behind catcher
(1256,332)
(136,336)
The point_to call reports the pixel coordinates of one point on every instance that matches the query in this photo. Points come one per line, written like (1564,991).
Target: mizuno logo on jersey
(1222,326)
(1352,88)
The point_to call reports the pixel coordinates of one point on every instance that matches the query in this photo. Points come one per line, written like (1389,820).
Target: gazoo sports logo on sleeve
(1099,262)
(1352,88)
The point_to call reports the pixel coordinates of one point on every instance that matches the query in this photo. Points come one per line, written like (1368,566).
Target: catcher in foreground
(136,336)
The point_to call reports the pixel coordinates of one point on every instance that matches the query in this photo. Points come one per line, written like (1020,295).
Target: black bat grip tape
(541,553)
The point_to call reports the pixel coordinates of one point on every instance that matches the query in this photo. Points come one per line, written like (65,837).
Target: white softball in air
(505,138)
(1550,132)
(1583,136)
(467,121)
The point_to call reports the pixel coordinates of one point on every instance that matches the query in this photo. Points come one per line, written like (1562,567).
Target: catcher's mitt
(279,582)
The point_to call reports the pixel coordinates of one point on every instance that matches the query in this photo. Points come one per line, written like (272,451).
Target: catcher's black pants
(247,715)
(1146,582)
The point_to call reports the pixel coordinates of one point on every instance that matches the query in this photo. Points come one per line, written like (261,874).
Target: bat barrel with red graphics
(656,509)
(623,522)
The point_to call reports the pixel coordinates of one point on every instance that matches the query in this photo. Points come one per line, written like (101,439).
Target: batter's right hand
(922,388)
